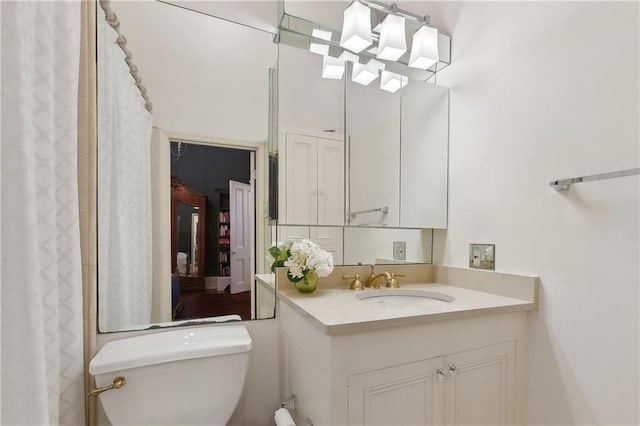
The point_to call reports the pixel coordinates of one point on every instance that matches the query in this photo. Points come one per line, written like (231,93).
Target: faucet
(390,278)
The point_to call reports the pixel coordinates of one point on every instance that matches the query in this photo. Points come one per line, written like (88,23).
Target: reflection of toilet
(189,376)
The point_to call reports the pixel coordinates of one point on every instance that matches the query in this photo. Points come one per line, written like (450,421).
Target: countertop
(268,280)
(339,311)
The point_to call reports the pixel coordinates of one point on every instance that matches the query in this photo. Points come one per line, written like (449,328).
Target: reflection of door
(240,213)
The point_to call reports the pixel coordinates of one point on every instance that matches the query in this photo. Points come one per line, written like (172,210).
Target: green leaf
(292,278)
(274,252)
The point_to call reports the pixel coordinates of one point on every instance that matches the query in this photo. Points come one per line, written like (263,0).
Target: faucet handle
(392,282)
(356,284)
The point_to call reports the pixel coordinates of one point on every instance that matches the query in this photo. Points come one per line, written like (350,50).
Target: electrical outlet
(399,250)
(482,256)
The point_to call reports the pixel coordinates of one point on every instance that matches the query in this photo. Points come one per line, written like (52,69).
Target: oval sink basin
(405,297)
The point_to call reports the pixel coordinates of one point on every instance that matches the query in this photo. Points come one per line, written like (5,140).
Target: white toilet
(189,376)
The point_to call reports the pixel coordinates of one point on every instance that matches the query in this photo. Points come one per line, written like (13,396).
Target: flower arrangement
(304,260)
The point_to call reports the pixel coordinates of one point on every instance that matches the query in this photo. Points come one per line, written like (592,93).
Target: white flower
(308,256)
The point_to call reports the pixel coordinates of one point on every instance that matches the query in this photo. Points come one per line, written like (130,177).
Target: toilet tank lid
(158,348)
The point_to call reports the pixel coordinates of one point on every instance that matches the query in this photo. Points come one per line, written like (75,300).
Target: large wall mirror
(181,221)
(372,165)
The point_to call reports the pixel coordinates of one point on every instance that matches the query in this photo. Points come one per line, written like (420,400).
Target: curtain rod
(112,20)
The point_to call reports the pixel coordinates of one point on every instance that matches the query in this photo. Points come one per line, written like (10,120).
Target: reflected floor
(211,303)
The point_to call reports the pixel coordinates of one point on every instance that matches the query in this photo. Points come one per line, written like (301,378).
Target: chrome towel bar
(565,184)
(383,210)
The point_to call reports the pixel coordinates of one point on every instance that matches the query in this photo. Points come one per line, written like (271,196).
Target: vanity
(453,359)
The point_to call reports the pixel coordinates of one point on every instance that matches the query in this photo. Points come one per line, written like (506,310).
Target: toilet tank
(188,376)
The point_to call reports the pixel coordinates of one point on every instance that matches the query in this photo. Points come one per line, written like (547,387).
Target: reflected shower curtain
(124,191)
(42,350)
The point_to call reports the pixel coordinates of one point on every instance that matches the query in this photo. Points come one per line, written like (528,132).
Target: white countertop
(339,311)
(268,280)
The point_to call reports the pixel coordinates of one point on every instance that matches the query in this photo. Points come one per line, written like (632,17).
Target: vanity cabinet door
(330,182)
(312,169)
(407,394)
(301,180)
(480,389)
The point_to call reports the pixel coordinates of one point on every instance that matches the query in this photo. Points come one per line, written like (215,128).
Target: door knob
(441,374)
(234,252)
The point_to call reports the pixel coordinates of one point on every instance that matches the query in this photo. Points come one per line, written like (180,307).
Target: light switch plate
(482,256)
(399,250)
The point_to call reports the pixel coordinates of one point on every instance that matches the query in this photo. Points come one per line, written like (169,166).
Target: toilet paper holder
(291,403)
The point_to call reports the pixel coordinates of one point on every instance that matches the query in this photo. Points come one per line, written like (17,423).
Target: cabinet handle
(442,375)
(453,370)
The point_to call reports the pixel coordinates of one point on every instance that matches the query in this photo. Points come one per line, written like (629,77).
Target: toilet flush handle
(118,382)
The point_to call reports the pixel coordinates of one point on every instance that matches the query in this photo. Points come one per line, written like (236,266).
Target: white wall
(365,245)
(541,91)
(205,76)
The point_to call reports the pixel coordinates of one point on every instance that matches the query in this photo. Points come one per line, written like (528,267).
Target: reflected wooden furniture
(193,278)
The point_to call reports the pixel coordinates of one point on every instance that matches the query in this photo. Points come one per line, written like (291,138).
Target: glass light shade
(332,68)
(424,50)
(348,56)
(365,74)
(392,42)
(356,27)
(392,82)
(320,48)
(321,34)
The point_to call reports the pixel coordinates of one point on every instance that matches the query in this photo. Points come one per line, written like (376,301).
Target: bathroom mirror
(212,93)
(209,80)
(395,155)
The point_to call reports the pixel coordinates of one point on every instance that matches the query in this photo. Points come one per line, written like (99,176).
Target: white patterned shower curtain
(42,349)
(124,191)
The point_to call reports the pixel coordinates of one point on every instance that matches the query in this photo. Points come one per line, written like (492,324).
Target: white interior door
(240,211)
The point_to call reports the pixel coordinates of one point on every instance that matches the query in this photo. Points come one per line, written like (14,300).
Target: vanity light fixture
(392,82)
(386,42)
(320,48)
(393,42)
(332,68)
(365,73)
(424,50)
(356,27)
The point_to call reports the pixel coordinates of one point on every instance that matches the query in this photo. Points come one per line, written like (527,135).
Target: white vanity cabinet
(452,372)
(469,387)
(312,169)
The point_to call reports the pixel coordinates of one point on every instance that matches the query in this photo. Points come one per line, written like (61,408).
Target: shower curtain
(124,191)
(42,350)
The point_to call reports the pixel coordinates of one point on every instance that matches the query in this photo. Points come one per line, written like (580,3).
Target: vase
(308,283)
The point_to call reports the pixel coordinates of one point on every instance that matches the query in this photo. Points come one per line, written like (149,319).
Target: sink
(405,297)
